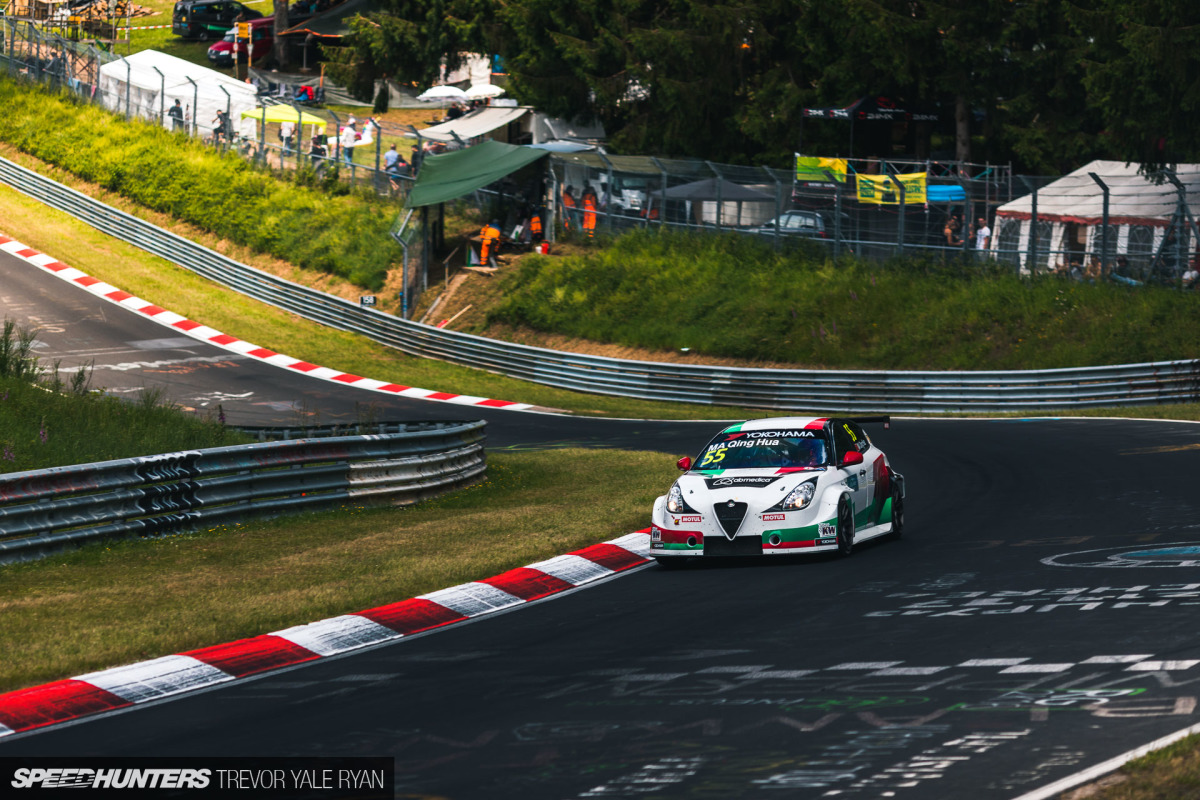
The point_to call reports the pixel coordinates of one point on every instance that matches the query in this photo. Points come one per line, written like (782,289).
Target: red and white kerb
(121,687)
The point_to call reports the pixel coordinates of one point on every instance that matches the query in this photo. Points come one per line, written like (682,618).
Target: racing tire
(845,529)
(897,513)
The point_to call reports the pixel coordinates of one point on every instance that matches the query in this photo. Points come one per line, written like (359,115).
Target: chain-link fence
(228,114)
(1104,221)
(595,193)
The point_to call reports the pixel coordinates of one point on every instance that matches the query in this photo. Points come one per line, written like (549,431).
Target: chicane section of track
(128,353)
(993,650)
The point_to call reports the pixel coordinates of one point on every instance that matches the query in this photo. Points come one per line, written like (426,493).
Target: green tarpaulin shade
(284,113)
(452,175)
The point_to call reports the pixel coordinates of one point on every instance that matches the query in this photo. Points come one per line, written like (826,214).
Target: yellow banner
(881,189)
(810,168)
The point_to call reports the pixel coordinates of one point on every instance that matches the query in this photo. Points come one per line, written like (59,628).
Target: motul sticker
(692,519)
(773,517)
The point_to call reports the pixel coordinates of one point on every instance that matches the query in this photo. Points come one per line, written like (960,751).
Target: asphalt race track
(1037,618)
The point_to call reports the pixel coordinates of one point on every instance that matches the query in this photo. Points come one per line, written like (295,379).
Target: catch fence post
(1103,222)
(900,227)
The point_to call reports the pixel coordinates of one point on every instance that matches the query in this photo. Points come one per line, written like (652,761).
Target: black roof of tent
(709,188)
(875,108)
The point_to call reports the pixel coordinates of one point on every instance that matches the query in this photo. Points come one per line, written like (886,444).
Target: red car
(262,39)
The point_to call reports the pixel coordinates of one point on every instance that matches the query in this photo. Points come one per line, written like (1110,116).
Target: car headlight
(675,501)
(800,497)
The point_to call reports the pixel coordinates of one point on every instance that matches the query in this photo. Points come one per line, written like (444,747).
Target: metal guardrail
(43,511)
(810,390)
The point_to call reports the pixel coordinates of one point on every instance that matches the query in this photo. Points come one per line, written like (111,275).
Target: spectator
(951,231)
(983,234)
(349,140)
(287,129)
(397,168)
(1191,278)
(176,116)
(221,128)
(318,153)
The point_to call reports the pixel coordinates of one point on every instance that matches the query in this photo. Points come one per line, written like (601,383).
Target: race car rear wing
(884,418)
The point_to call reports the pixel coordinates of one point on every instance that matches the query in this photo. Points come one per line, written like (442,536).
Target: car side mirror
(684,463)
(850,459)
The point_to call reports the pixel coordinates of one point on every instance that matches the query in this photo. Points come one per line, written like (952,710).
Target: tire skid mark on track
(120,687)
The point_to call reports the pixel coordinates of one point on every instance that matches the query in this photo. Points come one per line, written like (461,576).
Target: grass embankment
(734,296)
(42,428)
(344,235)
(132,600)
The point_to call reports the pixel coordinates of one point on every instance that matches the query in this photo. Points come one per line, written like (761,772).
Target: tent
(740,205)
(148,83)
(453,175)
(283,113)
(871,109)
(1070,216)
(475,124)
(713,189)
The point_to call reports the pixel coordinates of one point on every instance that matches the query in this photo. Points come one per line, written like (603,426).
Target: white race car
(781,485)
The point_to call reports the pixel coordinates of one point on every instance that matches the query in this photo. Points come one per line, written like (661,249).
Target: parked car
(207,19)
(262,39)
(795,223)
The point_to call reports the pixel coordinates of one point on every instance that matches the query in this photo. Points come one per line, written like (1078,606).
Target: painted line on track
(224,341)
(122,687)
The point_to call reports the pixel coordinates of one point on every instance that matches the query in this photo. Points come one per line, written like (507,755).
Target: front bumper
(772,537)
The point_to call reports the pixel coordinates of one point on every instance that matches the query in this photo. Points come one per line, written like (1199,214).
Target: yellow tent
(284,113)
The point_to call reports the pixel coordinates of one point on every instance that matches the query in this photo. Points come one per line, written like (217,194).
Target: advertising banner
(881,189)
(812,171)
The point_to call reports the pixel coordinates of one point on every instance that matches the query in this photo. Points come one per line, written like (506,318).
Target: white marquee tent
(150,82)
(1070,215)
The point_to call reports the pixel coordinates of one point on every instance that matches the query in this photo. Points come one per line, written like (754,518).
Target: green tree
(410,41)
(1144,78)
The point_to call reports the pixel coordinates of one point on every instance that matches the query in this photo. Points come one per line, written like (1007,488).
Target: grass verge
(132,600)
(1172,773)
(745,300)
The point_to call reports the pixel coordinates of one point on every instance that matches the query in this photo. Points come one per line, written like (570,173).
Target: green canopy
(284,113)
(452,175)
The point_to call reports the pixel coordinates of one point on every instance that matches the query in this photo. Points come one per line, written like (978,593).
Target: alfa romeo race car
(781,485)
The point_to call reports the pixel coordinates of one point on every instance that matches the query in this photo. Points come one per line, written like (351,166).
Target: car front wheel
(845,529)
